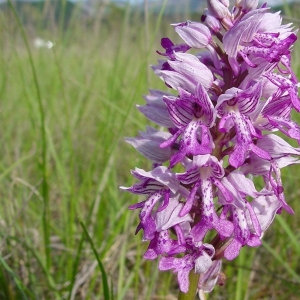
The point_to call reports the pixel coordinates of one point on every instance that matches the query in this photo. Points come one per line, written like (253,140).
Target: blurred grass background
(64,113)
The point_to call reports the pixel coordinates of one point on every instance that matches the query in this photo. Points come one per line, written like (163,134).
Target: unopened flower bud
(195,34)
(218,9)
(225,2)
(238,3)
(248,5)
(212,22)
(209,279)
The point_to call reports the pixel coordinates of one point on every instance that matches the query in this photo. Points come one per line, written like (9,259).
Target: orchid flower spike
(219,128)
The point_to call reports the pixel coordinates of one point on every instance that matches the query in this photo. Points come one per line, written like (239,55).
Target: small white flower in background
(40,43)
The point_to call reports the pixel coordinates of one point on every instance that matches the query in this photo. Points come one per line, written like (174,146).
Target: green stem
(191,293)
(45,187)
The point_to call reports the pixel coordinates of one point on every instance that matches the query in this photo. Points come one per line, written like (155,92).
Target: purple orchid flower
(170,48)
(148,144)
(186,72)
(200,259)
(235,107)
(193,115)
(155,109)
(215,134)
(210,277)
(195,34)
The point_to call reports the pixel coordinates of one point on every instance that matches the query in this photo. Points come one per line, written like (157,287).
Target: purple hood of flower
(215,133)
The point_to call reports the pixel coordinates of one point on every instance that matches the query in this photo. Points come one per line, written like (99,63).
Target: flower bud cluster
(221,118)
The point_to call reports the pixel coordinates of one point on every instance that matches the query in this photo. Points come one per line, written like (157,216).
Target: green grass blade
(17,281)
(240,276)
(101,267)
(281,261)
(292,236)
(75,267)
(45,187)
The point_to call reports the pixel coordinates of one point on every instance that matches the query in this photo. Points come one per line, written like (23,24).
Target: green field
(64,113)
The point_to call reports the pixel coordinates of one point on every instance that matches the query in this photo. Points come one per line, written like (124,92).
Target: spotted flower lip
(192,115)
(200,260)
(215,133)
